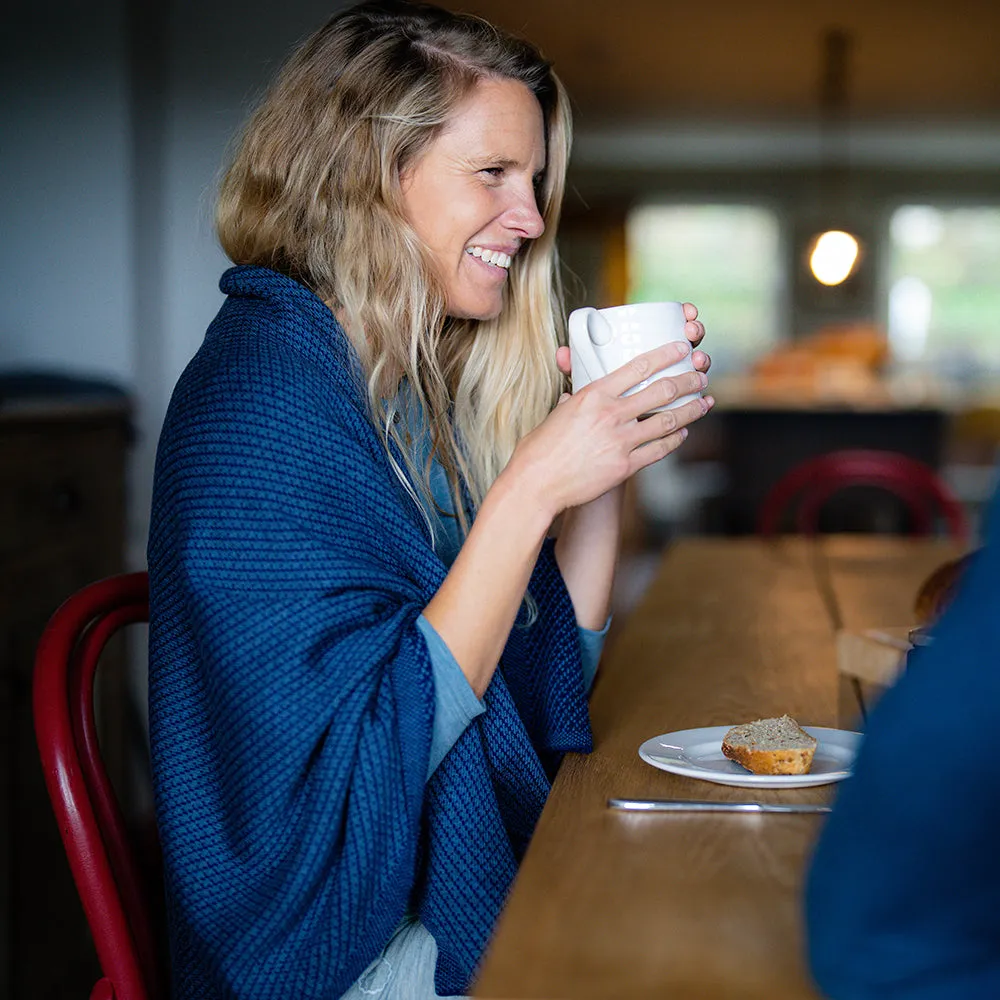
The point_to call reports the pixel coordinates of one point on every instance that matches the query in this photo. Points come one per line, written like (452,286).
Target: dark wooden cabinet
(62,525)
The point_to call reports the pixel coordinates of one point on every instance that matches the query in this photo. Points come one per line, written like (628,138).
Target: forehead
(500,118)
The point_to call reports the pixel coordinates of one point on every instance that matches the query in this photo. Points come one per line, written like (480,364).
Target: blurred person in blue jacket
(902,895)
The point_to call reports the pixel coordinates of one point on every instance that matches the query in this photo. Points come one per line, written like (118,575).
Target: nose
(523,216)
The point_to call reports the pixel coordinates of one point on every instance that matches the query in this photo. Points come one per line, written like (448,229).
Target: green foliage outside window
(725,259)
(944,287)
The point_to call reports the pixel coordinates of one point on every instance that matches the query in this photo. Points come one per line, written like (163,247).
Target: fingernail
(684,347)
(684,433)
(704,380)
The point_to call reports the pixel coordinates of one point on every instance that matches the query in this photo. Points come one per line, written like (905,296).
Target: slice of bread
(770,746)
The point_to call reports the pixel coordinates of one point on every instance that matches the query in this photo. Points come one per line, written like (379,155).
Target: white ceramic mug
(601,340)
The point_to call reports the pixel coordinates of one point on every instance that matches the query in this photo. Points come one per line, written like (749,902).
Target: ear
(404,172)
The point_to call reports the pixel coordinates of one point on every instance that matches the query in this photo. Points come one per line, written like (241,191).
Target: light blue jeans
(404,970)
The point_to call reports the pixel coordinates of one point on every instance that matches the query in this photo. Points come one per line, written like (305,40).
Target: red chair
(104,863)
(811,483)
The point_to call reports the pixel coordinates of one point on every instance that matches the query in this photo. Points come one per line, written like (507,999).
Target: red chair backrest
(93,830)
(813,482)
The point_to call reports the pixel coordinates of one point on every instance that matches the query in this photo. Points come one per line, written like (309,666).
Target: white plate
(697,753)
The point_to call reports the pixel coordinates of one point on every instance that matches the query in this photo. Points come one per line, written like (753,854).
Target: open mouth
(496,258)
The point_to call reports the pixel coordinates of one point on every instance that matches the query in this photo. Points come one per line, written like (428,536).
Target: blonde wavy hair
(314,192)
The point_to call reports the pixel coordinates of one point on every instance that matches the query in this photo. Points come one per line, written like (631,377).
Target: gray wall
(64,183)
(115,120)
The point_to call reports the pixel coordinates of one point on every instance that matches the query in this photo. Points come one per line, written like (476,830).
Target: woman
(366,655)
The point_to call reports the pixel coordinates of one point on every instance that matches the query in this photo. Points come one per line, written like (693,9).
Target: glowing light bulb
(833,257)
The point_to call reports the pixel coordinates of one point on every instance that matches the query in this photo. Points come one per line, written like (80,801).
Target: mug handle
(587,327)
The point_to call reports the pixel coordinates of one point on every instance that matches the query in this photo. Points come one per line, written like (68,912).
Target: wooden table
(615,905)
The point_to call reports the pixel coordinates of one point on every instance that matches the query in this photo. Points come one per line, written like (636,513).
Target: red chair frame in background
(105,869)
(814,481)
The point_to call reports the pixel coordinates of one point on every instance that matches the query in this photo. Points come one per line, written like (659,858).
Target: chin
(481,311)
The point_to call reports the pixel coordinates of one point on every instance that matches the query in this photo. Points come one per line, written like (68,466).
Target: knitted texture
(291,694)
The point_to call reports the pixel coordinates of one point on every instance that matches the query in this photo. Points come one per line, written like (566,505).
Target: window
(726,259)
(944,288)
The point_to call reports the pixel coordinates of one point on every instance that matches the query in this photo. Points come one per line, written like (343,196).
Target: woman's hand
(590,443)
(590,534)
(594,440)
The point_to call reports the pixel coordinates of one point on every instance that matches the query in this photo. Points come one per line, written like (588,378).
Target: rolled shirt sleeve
(591,646)
(455,703)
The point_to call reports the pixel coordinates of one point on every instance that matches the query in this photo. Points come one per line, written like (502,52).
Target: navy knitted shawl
(291,696)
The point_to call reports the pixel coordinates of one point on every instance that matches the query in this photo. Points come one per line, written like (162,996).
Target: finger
(564,361)
(694,331)
(701,361)
(656,450)
(641,367)
(667,422)
(690,311)
(661,392)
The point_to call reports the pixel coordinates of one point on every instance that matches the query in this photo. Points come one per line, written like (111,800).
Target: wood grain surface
(616,905)
(619,905)
(872,583)
(875,579)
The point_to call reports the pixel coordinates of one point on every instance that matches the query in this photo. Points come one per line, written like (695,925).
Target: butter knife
(686,805)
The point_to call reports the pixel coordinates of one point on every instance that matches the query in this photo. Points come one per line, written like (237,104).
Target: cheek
(447,216)
(441,226)
(425,207)
(466,215)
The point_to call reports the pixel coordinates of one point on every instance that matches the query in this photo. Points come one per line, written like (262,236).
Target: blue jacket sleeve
(902,893)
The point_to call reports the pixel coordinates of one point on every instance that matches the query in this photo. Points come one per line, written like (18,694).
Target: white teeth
(495,257)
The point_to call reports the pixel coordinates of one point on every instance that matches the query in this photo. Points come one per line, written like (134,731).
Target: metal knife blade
(686,805)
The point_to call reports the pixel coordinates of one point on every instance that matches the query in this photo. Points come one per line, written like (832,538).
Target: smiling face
(471,196)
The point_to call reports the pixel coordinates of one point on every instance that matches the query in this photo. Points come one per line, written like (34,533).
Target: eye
(497,172)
